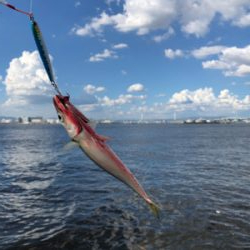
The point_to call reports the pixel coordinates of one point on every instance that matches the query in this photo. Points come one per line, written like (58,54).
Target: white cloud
(199,14)
(233,61)
(121,100)
(137,87)
(109,2)
(112,108)
(1,78)
(243,21)
(199,96)
(204,100)
(95,26)
(138,15)
(227,99)
(91,89)
(120,46)
(240,55)
(215,64)
(207,51)
(99,57)
(171,54)
(26,81)
(170,32)
(193,16)
(241,70)
(201,102)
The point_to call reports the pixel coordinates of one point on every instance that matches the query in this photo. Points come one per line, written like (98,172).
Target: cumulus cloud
(26,81)
(120,46)
(194,17)
(138,15)
(199,96)
(193,103)
(205,100)
(171,54)
(233,61)
(91,89)
(121,100)
(99,57)
(137,87)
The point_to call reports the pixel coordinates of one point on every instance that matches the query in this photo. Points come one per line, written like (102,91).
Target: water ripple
(56,199)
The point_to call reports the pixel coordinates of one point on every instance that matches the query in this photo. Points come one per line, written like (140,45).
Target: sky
(128,59)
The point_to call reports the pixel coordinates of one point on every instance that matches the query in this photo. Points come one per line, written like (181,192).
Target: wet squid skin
(95,147)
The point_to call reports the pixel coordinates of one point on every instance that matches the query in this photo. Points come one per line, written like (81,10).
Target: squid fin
(103,138)
(155,209)
(70,145)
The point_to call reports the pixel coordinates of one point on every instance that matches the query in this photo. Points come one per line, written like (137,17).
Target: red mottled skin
(94,146)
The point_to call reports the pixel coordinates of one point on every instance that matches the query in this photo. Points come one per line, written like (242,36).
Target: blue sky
(120,59)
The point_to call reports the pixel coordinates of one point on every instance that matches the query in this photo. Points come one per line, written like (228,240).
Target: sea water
(53,198)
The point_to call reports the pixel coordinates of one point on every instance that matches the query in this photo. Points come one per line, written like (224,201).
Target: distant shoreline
(171,122)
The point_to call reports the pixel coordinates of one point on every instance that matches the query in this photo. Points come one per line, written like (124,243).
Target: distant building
(20,120)
(28,120)
(36,120)
(106,121)
(189,121)
(175,121)
(200,121)
(52,121)
(5,121)
(25,120)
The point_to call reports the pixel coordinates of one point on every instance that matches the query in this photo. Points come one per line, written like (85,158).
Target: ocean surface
(54,198)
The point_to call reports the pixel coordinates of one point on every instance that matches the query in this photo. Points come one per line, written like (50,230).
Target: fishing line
(43,52)
(31,6)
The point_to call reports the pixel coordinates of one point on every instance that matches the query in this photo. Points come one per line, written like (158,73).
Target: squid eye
(60,118)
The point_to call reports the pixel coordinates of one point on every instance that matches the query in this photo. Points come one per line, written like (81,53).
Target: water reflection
(28,171)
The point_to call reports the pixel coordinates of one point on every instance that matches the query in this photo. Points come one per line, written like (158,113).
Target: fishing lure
(42,49)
